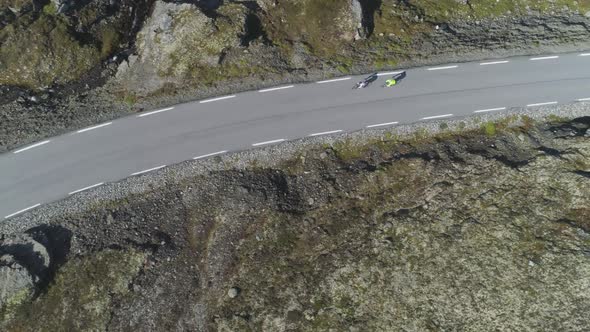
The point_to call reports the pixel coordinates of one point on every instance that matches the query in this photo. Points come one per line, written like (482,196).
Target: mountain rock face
(188,44)
(70,64)
(481,231)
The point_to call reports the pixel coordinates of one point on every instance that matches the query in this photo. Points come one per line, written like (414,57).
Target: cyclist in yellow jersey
(390,82)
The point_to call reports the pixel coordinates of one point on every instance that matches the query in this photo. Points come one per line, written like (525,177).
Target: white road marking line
(583,99)
(95,127)
(389,73)
(334,80)
(326,133)
(155,112)
(148,170)
(216,99)
(86,188)
(493,63)
(545,58)
(542,104)
(32,146)
(442,68)
(21,211)
(490,110)
(278,88)
(584,54)
(269,142)
(382,124)
(209,155)
(437,116)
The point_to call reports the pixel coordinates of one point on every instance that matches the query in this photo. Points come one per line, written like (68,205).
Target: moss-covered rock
(82,295)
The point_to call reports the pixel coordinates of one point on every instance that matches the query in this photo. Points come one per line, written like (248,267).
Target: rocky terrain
(66,64)
(484,229)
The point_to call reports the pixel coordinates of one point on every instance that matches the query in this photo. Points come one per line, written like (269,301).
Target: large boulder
(179,42)
(24,262)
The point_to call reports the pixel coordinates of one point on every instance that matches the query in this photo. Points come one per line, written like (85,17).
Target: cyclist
(390,82)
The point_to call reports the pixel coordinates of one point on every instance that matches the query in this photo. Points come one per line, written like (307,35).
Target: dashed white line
(86,188)
(382,124)
(437,116)
(148,170)
(334,80)
(32,146)
(277,88)
(542,104)
(545,58)
(493,63)
(326,133)
(95,127)
(209,155)
(216,99)
(269,142)
(389,73)
(583,99)
(21,211)
(585,54)
(490,110)
(155,112)
(442,68)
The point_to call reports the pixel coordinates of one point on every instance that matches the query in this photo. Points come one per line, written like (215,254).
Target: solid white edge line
(148,170)
(95,127)
(542,104)
(584,54)
(493,63)
(209,155)
(389,73)
(382,124)
(155,112)
(278,88)
(334,80)
(545,58)
(437,117)
(269,142)
(21,211)
(86,188)
(326,133)
(31,146)
(490,110)
(216,99)
(583,99)
(442,68)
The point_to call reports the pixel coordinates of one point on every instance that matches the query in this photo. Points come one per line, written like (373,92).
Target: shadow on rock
(29,261)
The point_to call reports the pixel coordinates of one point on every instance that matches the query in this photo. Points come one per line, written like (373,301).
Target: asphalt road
(60,166)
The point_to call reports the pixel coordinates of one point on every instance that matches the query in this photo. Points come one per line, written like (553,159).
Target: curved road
(61,166)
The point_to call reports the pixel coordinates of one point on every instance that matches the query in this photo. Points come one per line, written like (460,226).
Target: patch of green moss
(53,54)
(489,128)
(109,39)
(319,24)
(347,149)
(50,9)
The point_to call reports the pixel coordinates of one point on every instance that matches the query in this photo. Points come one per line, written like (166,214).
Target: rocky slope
(481,230)
(89,61)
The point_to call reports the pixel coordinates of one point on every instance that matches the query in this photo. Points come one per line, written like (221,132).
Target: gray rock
(233,292)
(23,263)
(14,280)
